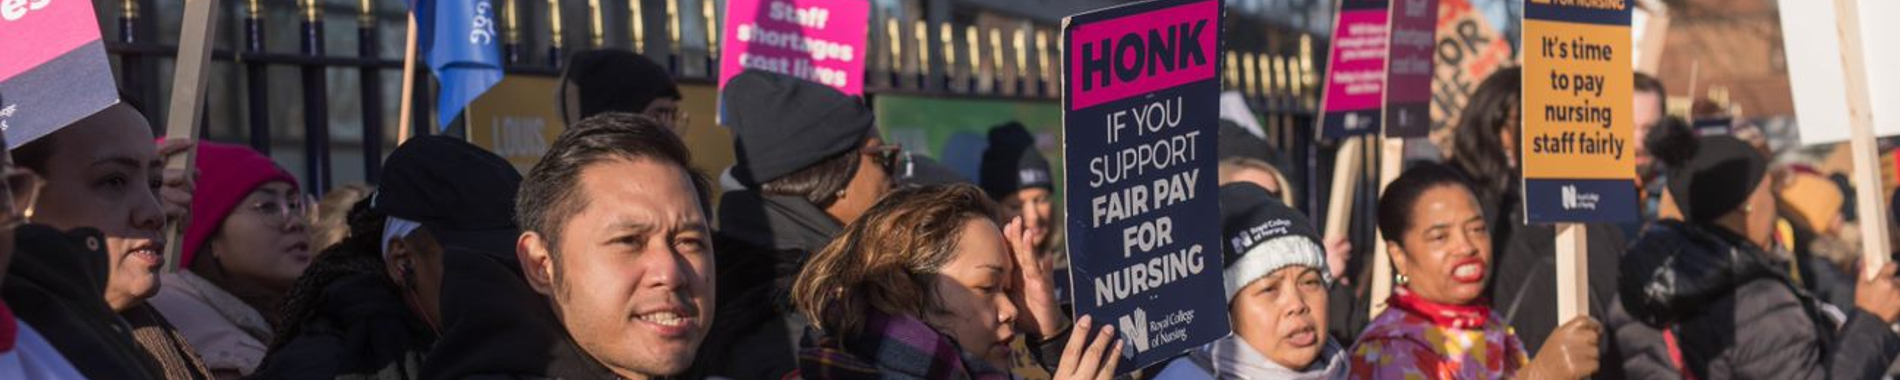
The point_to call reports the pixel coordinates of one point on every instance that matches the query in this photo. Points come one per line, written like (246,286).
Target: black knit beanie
(1711,176)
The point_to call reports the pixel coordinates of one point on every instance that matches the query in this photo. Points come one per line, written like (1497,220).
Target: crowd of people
(827,253)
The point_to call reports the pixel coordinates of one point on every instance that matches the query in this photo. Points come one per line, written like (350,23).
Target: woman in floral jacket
(1437,325)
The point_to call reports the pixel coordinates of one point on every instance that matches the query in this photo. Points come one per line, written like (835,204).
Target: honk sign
(1129,56)
(1141,104)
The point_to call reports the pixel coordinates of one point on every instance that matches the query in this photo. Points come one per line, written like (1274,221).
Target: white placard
(1812,42)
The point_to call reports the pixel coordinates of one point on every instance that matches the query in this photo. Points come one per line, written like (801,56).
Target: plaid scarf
(890,348)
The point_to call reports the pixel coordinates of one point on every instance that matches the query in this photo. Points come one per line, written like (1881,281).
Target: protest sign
(1840,77)
(54,70)
(1141,104)
(1578,162)
(1408,81)
(1811,38)
(817,40)
(515,120)
(1355,78)
(1469,49)
(1578,155)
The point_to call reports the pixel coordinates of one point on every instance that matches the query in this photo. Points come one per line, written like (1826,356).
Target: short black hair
(1647,83)
(1395,206)
(551,188)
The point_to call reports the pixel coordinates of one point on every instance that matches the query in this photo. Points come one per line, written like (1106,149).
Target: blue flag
(457,38)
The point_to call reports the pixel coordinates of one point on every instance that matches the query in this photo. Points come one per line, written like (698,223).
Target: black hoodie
(762,243)
(363,330)
(1736,315)
(495,326)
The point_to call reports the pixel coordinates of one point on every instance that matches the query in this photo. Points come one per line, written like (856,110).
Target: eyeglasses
(278,211)
(22,190)
(888,157)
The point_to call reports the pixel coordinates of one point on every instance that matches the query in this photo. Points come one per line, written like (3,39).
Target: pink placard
(817,40)
(33,32)
(1356,78)
(1175,27)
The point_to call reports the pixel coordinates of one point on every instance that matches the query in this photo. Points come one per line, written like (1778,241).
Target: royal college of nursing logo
(1134,327)
(1577,200)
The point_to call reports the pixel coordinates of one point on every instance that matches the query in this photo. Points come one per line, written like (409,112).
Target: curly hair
(887,259)
(358,254)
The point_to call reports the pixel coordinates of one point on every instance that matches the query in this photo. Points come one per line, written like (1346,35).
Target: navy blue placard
(1580,201)
(1351,123)
(1362,4)
(1144,238)
(1552,12)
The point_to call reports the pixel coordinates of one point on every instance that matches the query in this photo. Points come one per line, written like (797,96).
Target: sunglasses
(889,157)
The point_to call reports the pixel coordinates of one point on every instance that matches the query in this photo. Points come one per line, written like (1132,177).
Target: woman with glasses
(244,247)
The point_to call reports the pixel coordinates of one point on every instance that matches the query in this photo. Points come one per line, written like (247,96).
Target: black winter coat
(362,330)
(56,283)
(1737,315)
(762,243)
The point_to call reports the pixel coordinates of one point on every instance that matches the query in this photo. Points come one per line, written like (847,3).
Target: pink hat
(226,174)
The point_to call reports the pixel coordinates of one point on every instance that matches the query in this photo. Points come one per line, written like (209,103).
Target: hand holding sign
(176,195)
(1570,353)
(1094,361)
(1033,291)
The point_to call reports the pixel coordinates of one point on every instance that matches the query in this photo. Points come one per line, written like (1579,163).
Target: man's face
(1647,114)
(632,278)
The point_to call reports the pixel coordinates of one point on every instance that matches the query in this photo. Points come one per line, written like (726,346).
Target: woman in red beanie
(247,242)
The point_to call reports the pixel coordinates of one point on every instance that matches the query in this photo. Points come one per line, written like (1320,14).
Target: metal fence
(314,83)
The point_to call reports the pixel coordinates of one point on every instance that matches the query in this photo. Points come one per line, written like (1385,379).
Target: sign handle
(1573,271)
(1347,165)
(187,100)
(1866,154)
(1391,162)
(405,122)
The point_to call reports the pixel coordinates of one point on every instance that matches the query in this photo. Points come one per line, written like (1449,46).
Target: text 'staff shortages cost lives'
(1141,104)
(53,67)
(1577,145)
(817,40)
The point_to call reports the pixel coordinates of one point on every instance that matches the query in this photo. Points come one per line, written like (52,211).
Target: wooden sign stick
(187,100)
(405,122)
(1573,272)
(1866,154)
(1391,162)
(1346,169)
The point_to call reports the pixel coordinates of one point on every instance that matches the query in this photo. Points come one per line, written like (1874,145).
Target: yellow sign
(1578,153)
(516,119)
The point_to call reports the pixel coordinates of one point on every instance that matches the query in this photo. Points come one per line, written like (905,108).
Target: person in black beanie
(375,305)
(1019,179)
(1276,281)
(811,161)
(614,80)
(1710,283)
